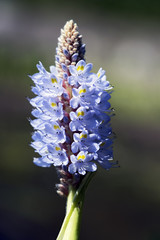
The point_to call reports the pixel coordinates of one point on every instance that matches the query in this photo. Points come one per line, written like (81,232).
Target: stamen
(83,136)
(53,80)
(80,68)
(81,157)
(53,104)
(80,114)
(56,127)
(57,148)
(82,91)
(102,144)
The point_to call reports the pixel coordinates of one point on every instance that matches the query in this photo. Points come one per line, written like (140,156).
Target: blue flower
(85,141)
(83,118)
(82,163)
(51,155)
(80,73)
(99,81)
(54,133)
(84,96)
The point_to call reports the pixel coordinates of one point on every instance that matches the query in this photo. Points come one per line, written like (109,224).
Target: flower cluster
(72,113)
(72,125)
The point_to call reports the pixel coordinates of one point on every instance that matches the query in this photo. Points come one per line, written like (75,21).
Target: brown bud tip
(70,48)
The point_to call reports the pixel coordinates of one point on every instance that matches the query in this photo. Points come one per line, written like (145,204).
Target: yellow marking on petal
(53,104)
(83,136)
(80,68)
(53,80)
(58,148)
(81,157)
(99,75)
(82,91)
(80,114)
(56,127)
(102,144)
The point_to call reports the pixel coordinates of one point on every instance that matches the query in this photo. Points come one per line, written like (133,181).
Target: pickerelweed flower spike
(72,114)
(72,111)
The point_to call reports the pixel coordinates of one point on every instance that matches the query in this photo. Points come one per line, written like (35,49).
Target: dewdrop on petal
(72,113)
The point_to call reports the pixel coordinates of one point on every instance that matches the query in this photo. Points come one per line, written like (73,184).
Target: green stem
(70,197)
(71,224)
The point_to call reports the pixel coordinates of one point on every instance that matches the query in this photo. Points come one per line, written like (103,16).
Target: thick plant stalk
(71,225)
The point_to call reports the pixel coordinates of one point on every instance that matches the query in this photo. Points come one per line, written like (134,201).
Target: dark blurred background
(123,38)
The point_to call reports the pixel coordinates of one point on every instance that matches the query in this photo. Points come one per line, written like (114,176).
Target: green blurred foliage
(142,8)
